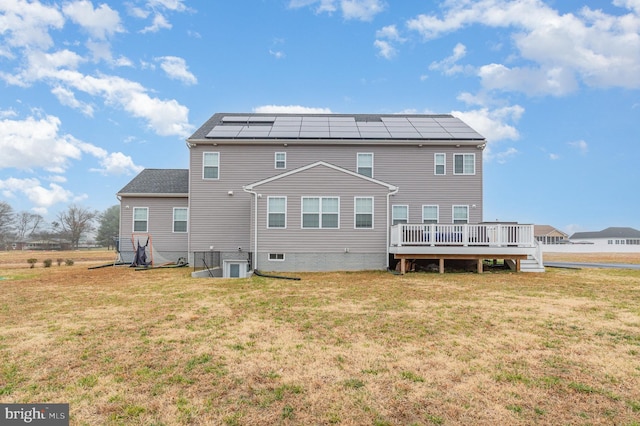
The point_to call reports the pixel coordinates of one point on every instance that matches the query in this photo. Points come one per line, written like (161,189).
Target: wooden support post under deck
(441,265)
(402,265)
(480,265)
(518,265)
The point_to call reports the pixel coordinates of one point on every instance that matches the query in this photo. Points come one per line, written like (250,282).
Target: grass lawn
(372,348)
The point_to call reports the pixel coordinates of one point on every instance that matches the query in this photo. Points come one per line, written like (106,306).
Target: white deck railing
(497,235)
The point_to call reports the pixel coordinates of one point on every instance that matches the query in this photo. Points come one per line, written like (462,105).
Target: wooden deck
(477,242)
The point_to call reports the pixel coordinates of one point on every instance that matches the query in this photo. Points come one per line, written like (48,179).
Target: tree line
(71,225)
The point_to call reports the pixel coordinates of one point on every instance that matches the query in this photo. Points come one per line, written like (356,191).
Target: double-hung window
(140,219)
(277,212)
(429,214)
(365,164)
(363,212)
(281,160)
(439,161)
(399,214)
(320,212)
(180,217)
(460,214)
(211,165)
(464,164)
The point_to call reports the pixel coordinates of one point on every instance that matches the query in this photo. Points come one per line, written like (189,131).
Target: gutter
(389,194)
(255,226)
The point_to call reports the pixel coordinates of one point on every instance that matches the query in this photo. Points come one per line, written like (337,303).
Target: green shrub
(68,262)
(32,262)
(47,263)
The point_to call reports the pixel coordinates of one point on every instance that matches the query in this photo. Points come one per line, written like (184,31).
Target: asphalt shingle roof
(158,181)
(247,126)
(611,232)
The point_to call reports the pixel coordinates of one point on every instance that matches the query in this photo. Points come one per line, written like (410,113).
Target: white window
(140,219)
(277,257)
(180,217)
(211,165)
(399,214)
(277,212)
(365,164)
(460,214)
(281,160)
(440,161)
(320,212)
(363,212)
(429,214)
(464,164)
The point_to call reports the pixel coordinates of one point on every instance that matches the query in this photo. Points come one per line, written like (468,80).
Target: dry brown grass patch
(158,347)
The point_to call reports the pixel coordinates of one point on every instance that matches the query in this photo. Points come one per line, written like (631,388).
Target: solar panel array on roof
(341,127)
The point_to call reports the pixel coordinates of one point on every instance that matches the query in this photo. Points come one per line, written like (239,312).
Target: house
(607,237)
(547,234)
(154,210)
(322,192)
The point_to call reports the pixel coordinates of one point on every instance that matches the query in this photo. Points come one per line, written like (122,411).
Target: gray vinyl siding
(166,243)
(321,181)
(224,221)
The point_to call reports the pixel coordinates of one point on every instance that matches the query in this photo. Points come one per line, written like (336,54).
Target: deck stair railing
(494,234)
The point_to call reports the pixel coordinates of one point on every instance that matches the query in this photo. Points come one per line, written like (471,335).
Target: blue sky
(93,92)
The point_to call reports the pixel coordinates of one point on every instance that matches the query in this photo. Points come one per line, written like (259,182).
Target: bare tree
(6,222)
(76,221)
(27,224)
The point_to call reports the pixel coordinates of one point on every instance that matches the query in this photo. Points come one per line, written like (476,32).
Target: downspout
(255,226)
(389,194)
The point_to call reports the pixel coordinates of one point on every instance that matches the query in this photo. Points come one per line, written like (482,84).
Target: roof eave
(315,141)
(153,195)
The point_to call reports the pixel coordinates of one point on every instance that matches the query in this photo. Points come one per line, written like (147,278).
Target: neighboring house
(154,209)
(322,192)
(608,236)
(546,234)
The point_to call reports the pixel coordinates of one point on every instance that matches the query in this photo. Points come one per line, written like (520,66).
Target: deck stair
(530,264)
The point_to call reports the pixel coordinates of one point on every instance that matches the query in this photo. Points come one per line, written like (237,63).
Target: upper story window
(281,160)
(363,212)
(440,161)
(211,165)
(399,214)
(429,214)
(320,212)
(460,214)
(140,219)
(365,163)
(464,164)
(180,217)
(277,212)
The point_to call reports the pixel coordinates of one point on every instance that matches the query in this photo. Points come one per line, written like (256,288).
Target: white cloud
(27,24)
(385,39)
(363,10)
(99,22)
(164,117)
(504,156)
(36,143)
(117,163)
(176,68)
(449,64)
(553,156)
(385,49)
(493,124)
(558,50)
(66,97)
(159,23)
(173,5)
(278,54)
(581,146)
(290,109)
(42,197)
